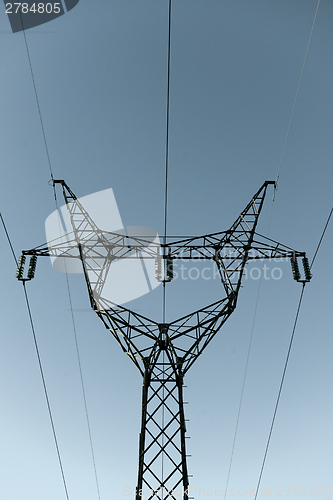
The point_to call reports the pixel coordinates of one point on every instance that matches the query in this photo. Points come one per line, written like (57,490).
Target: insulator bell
(306,267)
(32,267)
(20,267)
(295,269)
(169,264)
(158,268)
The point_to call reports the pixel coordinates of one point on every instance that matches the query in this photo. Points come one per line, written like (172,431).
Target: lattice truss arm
(232,244)
(137,335)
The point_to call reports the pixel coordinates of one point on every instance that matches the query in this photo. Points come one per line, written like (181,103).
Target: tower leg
(182,436)
(162,472)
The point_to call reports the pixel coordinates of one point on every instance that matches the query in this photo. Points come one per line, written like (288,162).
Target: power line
(284,371)
(280,390)
(243,386)
(68,287)
(287,358)
(10,243)
(167,145)
(301,297)
(40,365)
(299,84)
(321,238)
(39,110)
(268,228)
(82,385)
(45,390)
(166,210)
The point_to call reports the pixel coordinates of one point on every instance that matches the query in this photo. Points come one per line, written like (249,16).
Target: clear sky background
(101,78)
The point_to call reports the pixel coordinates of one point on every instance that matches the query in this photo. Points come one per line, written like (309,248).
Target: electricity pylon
(164,352)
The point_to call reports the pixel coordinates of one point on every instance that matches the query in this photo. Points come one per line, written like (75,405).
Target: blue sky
(101,78)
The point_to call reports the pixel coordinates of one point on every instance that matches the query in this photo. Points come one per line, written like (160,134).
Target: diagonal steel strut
(163,352)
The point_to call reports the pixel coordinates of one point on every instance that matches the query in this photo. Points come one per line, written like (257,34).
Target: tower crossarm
(100,248)
(232,244)
(203,248)
(266,248)
(226,247)
(231,251)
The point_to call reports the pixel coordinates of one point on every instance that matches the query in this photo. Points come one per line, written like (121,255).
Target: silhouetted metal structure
(163,352)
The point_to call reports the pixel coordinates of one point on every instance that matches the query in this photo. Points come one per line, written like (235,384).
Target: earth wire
(301,297)
(39,110)
(297,92)
(68,287)
(166,209)
(167,145)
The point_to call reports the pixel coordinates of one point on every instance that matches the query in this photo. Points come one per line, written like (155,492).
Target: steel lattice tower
(164,352)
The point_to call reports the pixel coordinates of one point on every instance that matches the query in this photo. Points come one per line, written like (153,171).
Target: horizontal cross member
(226,249)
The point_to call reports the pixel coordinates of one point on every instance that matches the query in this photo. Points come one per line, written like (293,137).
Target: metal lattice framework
(163,352)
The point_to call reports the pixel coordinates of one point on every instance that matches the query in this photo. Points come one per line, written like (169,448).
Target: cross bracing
(163,352)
